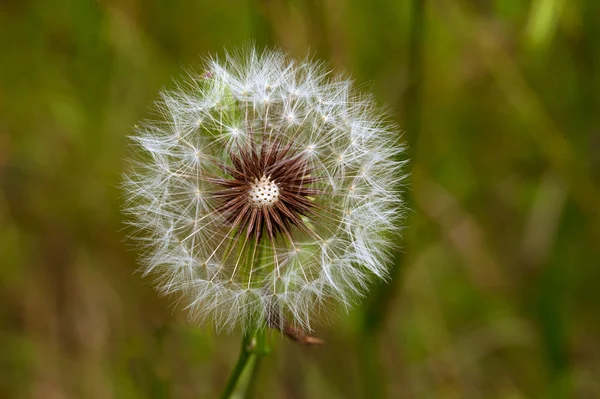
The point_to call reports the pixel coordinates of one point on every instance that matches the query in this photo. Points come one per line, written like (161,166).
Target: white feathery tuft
(353,159)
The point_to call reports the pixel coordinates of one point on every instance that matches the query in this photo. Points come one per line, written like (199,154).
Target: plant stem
(261,350)
(253,346)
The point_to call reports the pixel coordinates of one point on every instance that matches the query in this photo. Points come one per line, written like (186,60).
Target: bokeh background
(496,292)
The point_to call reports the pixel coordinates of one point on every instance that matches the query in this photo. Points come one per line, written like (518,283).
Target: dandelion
(268,190)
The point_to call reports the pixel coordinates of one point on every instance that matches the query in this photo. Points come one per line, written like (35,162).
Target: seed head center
(263,192)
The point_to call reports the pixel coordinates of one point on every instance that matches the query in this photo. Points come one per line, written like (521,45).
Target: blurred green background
(496,292)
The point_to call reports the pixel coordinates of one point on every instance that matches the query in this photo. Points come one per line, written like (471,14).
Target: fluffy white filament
(191,247)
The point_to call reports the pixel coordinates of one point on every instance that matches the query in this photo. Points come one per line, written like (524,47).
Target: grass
(496,289)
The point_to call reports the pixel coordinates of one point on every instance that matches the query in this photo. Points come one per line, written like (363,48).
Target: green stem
(261,350)
(253,346)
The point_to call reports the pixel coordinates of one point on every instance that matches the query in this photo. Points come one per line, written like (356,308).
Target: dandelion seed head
(268,189)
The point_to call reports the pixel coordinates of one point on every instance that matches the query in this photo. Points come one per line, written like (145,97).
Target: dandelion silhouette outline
(268,189)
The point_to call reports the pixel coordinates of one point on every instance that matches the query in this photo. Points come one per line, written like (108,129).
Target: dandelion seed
(269,190)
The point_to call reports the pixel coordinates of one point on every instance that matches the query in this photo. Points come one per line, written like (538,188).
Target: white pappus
(268,190)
